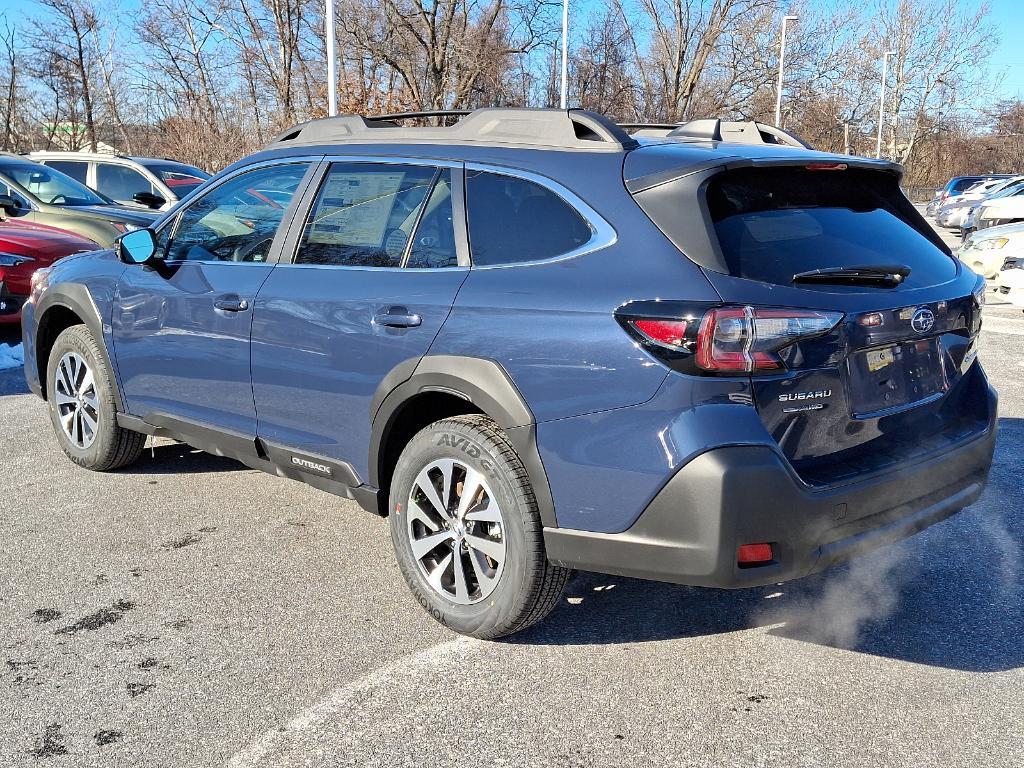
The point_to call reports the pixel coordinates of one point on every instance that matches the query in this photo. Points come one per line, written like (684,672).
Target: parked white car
(986,250)
(143,182)
(1010,282)
(996,211)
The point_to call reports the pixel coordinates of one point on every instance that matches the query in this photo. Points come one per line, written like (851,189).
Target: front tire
(83,408)
(467,532)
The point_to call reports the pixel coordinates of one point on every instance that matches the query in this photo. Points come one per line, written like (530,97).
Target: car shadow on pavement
(951,597)
(180,459)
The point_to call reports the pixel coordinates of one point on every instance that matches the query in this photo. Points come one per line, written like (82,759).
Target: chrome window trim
(604,234)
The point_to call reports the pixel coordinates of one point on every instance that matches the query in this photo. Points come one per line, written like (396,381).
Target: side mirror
(136,247)
(149,200)
(10,205)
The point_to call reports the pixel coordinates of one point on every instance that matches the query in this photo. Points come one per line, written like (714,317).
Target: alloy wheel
(78,405)
(457,531)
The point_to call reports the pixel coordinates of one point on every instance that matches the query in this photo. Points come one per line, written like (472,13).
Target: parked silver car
(951,213)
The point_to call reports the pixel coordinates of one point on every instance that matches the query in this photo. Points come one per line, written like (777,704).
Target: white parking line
(431,659)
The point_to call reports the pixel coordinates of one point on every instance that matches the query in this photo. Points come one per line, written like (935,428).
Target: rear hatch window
(774,223)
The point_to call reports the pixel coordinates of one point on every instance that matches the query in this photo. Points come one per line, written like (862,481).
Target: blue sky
(1007,60)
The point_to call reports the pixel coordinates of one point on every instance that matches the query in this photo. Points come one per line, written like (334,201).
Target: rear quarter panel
(551,325)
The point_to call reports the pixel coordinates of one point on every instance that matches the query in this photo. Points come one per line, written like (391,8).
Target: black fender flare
(480,381)
(76,298)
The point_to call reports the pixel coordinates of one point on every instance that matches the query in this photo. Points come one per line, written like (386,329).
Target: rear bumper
(729,496)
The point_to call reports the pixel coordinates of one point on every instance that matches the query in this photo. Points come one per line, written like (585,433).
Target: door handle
(397,317)
(230,304)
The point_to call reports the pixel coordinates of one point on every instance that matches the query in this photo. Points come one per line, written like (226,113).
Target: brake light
(748,339)
(826,166)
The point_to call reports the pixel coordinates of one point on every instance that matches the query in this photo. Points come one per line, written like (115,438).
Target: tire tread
(126,445)
(547,581)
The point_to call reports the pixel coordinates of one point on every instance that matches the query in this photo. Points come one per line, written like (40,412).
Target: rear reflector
(754,554)
(672,333)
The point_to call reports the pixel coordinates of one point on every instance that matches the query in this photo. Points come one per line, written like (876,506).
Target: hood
(1014,203)
(119,213)
(1003,230)
(43,243)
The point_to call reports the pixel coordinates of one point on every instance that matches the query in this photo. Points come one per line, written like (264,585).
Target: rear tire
(83,406)
(490,519)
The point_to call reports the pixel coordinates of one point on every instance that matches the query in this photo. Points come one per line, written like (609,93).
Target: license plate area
(895,376)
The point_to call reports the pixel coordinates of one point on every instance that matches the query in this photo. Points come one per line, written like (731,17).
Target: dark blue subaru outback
(538,342)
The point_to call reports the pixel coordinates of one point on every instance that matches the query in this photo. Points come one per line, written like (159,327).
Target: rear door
(372,272)
(893,377)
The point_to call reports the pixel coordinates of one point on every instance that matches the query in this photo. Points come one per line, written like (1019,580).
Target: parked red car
(24,248)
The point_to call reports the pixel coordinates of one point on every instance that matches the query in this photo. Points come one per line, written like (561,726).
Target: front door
(374,276)
(181,327)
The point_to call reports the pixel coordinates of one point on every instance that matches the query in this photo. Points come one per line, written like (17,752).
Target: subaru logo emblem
(923,320)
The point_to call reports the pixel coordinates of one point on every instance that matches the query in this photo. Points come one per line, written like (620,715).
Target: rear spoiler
(797,159)
(714,129)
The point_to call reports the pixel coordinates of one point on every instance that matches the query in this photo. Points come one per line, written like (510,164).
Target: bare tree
(65,40)
(10,88)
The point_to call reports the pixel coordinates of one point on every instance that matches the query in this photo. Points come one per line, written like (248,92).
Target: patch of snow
(11,357)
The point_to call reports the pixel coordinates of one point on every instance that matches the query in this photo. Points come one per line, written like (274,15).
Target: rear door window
(513,220)
(433,245)
(77,170)
(773,223)
(121,183)
(365,214)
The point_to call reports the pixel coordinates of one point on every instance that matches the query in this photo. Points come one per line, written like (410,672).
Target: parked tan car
(32,192)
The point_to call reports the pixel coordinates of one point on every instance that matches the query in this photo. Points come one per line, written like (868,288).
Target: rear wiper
(887,275)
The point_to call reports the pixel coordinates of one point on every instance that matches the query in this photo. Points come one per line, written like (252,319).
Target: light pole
(881,101)
(565,54)
(332,75)
(782,66)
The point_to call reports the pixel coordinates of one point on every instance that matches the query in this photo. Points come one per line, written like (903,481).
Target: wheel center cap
(459,530)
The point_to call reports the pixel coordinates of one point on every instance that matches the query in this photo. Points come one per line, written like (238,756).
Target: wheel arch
(418,393)
(61,307)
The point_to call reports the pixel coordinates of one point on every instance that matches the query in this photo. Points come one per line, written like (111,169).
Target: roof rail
(394,117)
(538,128)
(713,129)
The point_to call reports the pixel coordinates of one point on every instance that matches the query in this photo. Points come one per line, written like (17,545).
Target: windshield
(50,186)
(179,178)
(1011,187)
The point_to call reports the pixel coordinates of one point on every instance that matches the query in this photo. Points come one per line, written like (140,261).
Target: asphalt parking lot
(190,612)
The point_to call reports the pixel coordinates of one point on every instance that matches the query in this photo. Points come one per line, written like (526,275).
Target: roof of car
(86,155)
(552,137)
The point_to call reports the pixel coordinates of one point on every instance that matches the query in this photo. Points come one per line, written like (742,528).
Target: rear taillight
(747,339)
(725,340)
